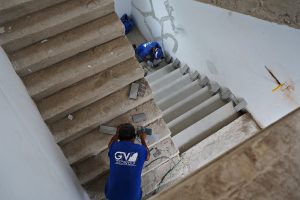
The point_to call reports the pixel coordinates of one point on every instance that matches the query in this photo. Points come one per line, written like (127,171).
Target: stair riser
(185,105)
(205,127)
(172,88)
(54,25)
(21,9)
(91,64)
(179,96)
(196,114)
(160,73)
(67,44)
(166,80)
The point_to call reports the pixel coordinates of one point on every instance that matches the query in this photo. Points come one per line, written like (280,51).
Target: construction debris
(70,117)
(134,89)
(108,130)
(139,117)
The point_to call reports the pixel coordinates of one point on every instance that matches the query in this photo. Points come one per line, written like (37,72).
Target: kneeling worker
(126,164)
(150,52)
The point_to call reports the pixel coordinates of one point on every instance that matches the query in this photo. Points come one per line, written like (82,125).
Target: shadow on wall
(162,21)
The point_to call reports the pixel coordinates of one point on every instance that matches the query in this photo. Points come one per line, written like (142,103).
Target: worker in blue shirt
(150,52)
(128,23)
(126,164)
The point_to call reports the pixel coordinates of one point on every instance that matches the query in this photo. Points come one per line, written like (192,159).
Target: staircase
(206,120)
(78,66)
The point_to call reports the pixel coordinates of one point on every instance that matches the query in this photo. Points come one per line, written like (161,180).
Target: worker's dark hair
(126,132)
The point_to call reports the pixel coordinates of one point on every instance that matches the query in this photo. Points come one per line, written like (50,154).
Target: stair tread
(94,142)
(160,73)
(195,114)
(89,168)
(172,87)
(97,113)
(64,16)
(61,75)
(66,44)
(89,90)
(179,95)
(157,84)
(185,105)
(206,126)
(13,9)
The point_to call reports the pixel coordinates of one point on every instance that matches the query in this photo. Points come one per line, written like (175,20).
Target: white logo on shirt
(128,159)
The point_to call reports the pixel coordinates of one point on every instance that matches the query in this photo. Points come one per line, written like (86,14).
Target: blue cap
(158,54)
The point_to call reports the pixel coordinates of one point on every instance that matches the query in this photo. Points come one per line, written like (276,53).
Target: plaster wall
(32,165)
(230,48)
(122,7)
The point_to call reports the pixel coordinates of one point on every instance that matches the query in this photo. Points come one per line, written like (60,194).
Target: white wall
(32,166)
(122,7)
(232,49)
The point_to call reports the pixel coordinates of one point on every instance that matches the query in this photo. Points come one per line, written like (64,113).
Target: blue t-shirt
(126,165)
(145,49)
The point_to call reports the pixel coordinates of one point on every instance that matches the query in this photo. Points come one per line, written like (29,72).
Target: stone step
(185,105)
(160,153)
(90,168)
(41,55)
(61,75)
(205,127)
(13,9)
(172,87)
(160,73)
(51,21)
(181,94)
(212,148)
(94,142)
(100,112)
(166,80)
(89,90)
(195,114)
(150,181)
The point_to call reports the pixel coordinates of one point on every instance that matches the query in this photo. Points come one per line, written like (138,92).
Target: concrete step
(61,75)
(172,87)
(181,94)
(160,73)
(160,153)
(13,9)
(89,90)
(152,180)
(95,188)
(212,148)
(100,112)
(166,80)
(205,127)
(195,114)
(185,105)
(51,21)
(94,142)
(89,169)
(41,55)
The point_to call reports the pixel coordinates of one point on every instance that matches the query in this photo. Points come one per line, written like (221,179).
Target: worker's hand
(143,136)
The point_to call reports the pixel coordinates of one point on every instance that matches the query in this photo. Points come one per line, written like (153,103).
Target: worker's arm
(143,137)
(113,139)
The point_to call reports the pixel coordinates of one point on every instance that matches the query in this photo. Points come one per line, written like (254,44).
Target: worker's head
(158,53)
(126,132)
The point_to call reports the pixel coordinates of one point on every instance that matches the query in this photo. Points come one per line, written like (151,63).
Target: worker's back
(126,165)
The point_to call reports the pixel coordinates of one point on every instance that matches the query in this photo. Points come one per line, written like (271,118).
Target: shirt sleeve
(110,148)
(145,153)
